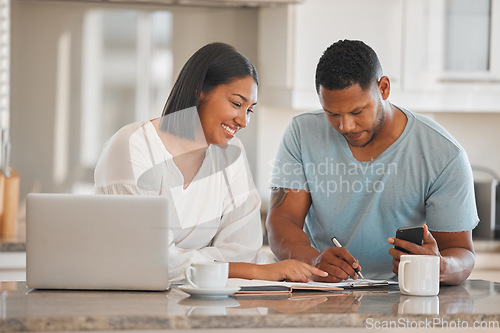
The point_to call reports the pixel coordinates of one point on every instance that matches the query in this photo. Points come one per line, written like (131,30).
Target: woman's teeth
(229,129)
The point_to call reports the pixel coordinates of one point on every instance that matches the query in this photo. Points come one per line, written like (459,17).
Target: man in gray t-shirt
(362,168)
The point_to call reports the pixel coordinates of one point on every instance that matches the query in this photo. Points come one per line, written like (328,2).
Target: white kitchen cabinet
(452,56)
(13,266)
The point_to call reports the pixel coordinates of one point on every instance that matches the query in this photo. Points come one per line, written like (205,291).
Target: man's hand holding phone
(401,246)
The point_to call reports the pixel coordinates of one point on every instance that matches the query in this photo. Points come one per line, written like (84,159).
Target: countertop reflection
(23,310)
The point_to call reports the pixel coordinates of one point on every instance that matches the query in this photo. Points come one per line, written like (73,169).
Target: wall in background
(478,133)
(285,58)
(47,76)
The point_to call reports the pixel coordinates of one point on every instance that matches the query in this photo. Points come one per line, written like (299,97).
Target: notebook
(102,242)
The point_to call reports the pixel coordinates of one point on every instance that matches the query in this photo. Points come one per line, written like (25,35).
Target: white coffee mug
(419,275)
(211,275)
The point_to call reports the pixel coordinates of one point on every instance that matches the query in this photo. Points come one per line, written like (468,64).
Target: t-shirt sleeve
(451,205)
(288,166)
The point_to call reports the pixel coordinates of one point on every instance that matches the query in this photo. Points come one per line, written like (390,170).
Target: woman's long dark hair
(212,65)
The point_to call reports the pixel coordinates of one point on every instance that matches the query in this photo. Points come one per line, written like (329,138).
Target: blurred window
(467,35)
(127,66)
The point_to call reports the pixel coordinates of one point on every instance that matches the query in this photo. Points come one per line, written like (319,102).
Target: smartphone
(411,234)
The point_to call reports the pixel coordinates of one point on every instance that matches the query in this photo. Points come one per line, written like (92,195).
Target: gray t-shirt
(423,177)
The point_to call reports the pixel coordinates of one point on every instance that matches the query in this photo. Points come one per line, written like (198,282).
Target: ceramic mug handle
(402,276)
(188,272)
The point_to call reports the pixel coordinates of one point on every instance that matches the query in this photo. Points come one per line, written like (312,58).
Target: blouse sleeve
(125,157)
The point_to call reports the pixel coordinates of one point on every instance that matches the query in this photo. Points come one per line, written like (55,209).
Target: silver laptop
(99,242)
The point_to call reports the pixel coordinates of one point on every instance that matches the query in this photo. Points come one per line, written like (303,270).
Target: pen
(337,244)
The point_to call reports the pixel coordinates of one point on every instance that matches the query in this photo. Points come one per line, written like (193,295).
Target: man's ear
(384,86)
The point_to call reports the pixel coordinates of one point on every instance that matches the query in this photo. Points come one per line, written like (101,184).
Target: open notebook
(272,287)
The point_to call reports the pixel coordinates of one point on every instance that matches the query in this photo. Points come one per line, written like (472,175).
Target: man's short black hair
(345,63)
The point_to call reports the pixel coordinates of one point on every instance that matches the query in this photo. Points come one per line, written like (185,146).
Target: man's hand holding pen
(356,269)
(338,263)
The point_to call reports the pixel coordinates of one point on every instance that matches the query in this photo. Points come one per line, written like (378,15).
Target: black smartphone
(411,234)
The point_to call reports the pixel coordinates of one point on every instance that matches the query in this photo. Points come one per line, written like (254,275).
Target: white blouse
(217,217)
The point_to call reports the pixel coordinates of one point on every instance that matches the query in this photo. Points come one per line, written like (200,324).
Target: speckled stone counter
(17,244)
(475,301)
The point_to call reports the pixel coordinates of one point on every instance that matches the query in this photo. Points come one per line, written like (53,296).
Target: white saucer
(204,292)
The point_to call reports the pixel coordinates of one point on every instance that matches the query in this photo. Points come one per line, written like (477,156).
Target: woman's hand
(289,270)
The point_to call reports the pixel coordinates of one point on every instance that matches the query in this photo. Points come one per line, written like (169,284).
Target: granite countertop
(475,301)
(16,244)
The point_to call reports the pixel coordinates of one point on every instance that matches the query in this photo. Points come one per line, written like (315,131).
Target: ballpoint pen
(337,244)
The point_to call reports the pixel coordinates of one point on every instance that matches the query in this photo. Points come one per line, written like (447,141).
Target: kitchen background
(81,70)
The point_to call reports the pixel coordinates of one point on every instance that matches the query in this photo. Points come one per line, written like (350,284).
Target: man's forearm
(285,223)
(290,242)
(302,252)
(458,264)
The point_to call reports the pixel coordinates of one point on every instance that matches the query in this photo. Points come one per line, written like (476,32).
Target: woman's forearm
(243,270)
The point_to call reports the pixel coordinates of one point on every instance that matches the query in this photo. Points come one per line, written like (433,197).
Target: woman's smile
(230,130)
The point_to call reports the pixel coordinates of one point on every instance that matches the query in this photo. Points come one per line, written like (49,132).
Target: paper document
(262,286)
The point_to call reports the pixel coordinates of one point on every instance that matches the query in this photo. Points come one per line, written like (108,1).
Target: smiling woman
(218,108)
(191,156)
